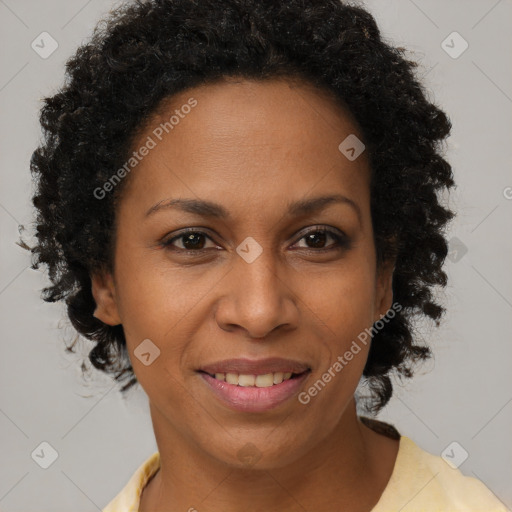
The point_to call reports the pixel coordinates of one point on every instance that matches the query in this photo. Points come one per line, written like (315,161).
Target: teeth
(232,378)
(246,380)
(278,377)
(259,381)
(264,381)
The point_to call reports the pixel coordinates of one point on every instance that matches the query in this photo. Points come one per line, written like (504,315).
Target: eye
(316,239)
(191,241)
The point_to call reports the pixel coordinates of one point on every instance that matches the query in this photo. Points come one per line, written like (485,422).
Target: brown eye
(193,241)
(190,241)
(318,238)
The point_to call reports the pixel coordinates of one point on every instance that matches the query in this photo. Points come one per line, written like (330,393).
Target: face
(245,234)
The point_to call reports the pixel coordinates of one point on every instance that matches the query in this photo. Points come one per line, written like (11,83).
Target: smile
(259,381)
(256,392)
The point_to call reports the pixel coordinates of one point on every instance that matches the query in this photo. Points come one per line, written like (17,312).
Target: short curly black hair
(146,51)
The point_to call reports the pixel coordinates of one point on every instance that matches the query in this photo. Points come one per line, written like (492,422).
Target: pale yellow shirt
(420,482)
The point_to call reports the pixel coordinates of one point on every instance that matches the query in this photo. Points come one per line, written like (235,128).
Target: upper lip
(255,366)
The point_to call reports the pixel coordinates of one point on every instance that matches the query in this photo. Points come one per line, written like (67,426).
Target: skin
(253,147)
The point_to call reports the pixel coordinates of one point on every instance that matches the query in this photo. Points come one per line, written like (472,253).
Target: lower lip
(253,399)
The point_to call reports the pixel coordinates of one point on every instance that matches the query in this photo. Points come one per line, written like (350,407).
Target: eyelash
(341,241)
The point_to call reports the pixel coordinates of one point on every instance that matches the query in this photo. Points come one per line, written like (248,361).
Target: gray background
(463,395)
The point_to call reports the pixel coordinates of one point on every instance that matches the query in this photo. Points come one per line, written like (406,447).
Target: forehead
(265,137)
(280,110)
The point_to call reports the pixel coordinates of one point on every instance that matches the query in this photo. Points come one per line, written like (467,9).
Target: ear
(384,289)
(104,293)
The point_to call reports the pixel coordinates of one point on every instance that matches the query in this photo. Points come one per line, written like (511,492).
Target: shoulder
(423,482)
(129,497)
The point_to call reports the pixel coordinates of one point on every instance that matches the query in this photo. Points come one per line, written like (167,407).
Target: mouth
(265,380)
(254,386)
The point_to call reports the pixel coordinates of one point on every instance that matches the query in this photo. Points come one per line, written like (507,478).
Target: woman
(238,201)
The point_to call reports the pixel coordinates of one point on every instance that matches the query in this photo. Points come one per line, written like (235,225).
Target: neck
(348,469)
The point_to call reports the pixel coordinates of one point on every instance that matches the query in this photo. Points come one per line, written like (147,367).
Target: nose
(258,298)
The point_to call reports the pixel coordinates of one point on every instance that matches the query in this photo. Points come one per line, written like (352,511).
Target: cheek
(150,306)
(343,303)
(345,308)
(151,300)
(167,307)
(343,298)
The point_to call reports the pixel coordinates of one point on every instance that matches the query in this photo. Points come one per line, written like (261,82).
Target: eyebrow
(210,209)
